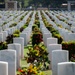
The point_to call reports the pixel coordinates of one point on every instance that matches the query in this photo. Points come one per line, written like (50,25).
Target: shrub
(54,31)
(16,32)
(3,45)
(9,39)
(28,20)
(15,35)
(22,18)
(21,29)
(37,23)
(70,46)
(4,23)
(36,39)
(34,26)
(60,26)
(60,39)
(14,24)
(38,53)
(37,35)
(55,34)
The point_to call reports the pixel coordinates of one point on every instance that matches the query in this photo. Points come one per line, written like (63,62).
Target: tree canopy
(46,3)
(43,3)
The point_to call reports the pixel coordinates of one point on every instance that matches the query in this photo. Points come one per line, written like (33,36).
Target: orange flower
(21,71)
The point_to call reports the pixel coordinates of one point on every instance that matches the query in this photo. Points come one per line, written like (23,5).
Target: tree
(44,3)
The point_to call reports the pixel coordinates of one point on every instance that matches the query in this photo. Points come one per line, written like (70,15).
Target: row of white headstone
(5,33)
(27,32)
(59,58)
(8,17)
(10,59)
(8,23)
(12,56)
(67,35)
(69,19)
(6,26)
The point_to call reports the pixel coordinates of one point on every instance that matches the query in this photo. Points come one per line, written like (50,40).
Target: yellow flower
(34,71)
(30,66)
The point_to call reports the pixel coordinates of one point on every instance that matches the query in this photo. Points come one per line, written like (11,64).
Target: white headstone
(1,37)
(0,29)
(45,36)
(24,35)
(9,56)
(71,36)
(52,41)
(3,68)
(4,35)
(16,47)
(52,47)
(73,29)
(20,40)
(58,56)
(28,33)
(66,68)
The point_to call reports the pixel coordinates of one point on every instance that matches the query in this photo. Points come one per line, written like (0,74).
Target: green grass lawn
(25,64)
